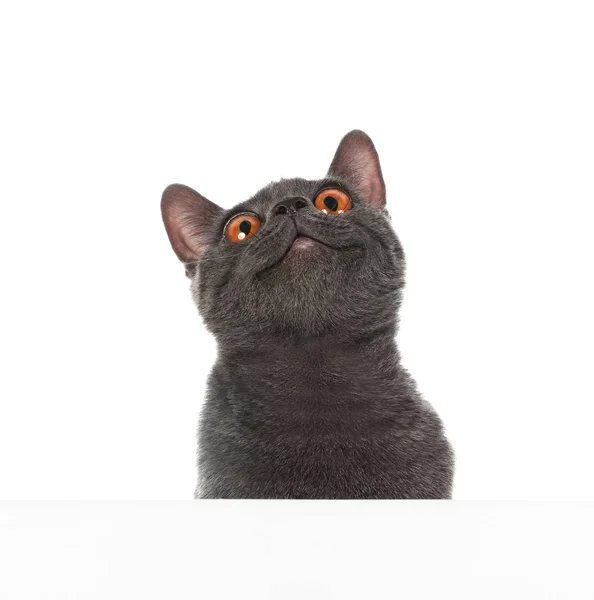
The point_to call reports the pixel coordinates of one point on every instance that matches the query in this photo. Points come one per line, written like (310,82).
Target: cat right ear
(356,161)
(189,219)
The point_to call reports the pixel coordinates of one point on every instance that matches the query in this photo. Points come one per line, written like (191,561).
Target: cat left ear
(189,219)
(356,161)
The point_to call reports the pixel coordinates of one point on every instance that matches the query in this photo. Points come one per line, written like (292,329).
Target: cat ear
(357,162)
(189,218)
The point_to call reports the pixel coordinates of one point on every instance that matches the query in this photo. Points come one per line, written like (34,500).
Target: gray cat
(301,286)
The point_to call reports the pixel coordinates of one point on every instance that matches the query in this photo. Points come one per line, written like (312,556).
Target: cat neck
(301,367)
(287,345)
(326,382)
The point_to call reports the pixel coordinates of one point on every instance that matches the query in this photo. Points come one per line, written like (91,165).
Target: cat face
(300,257)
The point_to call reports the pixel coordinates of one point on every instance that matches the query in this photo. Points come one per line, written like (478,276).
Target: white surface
(482,116)
(296,550)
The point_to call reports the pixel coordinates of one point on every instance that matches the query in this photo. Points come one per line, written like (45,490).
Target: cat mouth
(301,245)
(302,249)
(303,242)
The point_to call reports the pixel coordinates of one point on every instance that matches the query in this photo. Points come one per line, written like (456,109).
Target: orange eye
(241,227)
(333,202)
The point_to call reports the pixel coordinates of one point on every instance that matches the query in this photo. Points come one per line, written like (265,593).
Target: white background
(482,114)
(258,550)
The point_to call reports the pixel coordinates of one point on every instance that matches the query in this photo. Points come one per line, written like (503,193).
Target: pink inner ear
(188,219)
(356,161)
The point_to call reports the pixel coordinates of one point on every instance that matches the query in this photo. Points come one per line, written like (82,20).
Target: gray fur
(307,397)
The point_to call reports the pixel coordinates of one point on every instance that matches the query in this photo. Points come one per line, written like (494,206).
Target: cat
(301,286)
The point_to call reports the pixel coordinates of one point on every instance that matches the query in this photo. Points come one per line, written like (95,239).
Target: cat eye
(242,227)
(332,202)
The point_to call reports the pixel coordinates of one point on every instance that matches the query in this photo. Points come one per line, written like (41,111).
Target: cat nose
(290,205)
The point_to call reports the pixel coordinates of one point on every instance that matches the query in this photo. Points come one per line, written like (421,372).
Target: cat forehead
(290,187)
(279,190)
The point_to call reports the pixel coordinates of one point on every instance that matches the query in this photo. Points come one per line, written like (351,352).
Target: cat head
(299,258)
